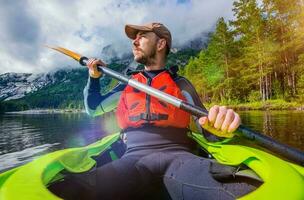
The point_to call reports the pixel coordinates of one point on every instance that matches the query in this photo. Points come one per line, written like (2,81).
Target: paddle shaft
(260,139)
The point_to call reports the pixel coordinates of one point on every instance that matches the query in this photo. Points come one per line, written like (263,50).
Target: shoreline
(275,105)
(263,106)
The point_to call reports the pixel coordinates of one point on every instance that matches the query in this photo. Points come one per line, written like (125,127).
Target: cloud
(87,26)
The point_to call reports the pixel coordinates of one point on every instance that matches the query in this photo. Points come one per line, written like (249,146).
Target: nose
(136,41)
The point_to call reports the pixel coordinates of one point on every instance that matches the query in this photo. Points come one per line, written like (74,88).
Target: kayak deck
(49,170)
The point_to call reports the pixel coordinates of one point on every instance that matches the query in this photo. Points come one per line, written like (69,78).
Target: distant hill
(63,88)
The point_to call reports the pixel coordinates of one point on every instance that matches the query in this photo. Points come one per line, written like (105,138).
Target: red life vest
(136,108)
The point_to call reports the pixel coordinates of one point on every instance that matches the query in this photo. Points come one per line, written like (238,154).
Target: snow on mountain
(17,85)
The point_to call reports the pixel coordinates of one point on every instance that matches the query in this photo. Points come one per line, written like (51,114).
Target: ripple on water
(14,159)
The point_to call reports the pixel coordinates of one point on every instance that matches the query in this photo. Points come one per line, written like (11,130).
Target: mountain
(64,88)
(17,85)
(197,43)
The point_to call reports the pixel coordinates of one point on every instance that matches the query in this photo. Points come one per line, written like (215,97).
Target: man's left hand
(221,121)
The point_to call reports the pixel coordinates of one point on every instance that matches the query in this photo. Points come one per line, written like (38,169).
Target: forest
(256,57)
(254,60)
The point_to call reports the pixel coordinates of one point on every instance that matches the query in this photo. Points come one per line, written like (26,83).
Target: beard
(146,58)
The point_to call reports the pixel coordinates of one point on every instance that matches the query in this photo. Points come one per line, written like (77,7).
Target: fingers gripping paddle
(260,139)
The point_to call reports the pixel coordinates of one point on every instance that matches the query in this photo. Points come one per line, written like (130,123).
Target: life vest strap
(147,117)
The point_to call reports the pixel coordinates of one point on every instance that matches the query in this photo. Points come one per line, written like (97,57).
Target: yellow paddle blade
(67,52)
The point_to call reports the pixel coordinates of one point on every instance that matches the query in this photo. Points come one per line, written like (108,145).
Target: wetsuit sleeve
(97,104)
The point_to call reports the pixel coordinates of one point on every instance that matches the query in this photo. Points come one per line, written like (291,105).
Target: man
(158,149)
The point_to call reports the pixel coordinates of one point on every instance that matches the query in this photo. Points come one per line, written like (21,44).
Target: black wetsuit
(156,159)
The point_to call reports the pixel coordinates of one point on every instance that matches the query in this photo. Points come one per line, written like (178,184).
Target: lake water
(24,137)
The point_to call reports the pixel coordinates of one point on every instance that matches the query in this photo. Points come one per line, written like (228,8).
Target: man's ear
(161,44)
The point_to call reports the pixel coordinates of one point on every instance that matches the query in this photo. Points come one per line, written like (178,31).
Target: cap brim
(132,30)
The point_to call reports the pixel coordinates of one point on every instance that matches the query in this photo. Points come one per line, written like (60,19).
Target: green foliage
(210,71)
(258,56)
(67,92)
(13,106)
(180,58)
(277,104)
(254,96)
(301,89)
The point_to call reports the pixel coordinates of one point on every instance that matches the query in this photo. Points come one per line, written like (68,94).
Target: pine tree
(250,28)
(286,27)
(212,70)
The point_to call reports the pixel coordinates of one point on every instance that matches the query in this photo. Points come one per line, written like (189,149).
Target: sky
(87,26)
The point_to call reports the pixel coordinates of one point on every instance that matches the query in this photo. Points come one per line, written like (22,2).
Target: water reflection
(10,160)
(24,136)
(285,126)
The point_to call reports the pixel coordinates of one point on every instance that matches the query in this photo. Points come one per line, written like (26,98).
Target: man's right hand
(93,70)
(221,121)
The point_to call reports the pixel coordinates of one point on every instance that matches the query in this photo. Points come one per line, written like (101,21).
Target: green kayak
(34,180)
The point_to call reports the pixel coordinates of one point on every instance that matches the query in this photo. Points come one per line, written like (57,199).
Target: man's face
(144,47)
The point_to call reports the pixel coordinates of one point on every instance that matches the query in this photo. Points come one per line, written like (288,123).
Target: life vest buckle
(147,117)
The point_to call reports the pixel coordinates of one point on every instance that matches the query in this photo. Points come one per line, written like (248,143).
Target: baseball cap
(158,28)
